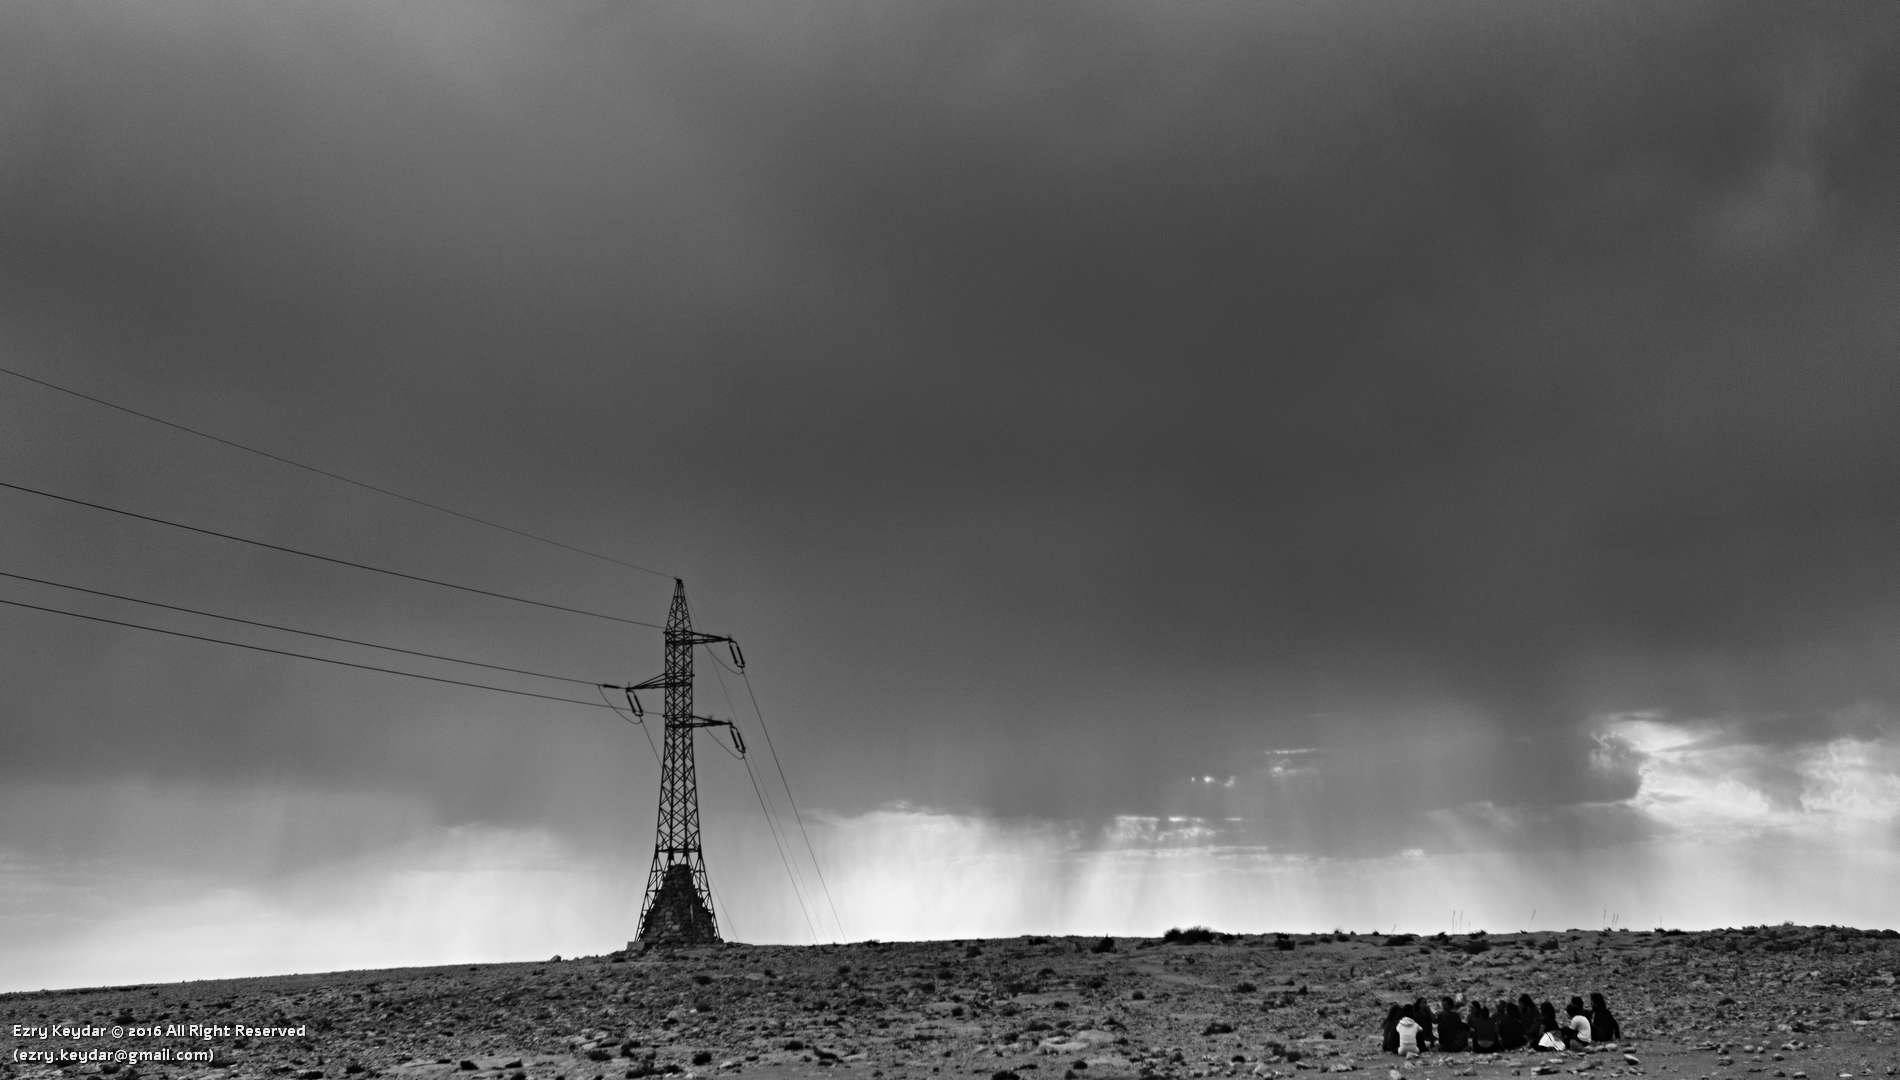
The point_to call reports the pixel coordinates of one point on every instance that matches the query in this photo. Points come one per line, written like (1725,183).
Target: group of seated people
(1510,1025)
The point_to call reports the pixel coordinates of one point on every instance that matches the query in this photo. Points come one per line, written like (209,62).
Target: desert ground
(1785,1001)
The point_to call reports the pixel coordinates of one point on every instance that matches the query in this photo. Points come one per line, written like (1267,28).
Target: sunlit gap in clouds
(1730,823)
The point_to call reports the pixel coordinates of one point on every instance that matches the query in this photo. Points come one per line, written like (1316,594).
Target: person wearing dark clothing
(1533,1023)
(1510,1027)
(1427,1036)
(1484,1030)
(1603,1026)
(1451,1027)
(1390,1032)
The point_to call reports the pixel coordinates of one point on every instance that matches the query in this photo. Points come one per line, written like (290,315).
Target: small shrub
(1218,1027)
(1245,988)
(702,1057)
(1107,944)
(1401,939)
(1193,935)
(1476,945)
(1283,944)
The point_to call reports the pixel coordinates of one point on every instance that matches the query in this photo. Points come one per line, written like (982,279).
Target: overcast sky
(1278,465)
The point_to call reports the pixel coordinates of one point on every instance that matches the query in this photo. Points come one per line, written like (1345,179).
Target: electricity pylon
(678,904)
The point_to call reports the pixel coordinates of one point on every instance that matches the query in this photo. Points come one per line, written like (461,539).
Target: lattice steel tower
(678,905)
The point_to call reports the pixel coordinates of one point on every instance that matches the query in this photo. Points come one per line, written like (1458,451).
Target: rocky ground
(1795,1002)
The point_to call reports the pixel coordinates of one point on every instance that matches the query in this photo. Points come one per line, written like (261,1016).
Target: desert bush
(1193,935)
(1107,944)
(1284,944)
(1245,988)
(1401,939)
(1476,945)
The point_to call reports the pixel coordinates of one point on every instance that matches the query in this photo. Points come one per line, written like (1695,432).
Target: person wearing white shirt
(1579,1025)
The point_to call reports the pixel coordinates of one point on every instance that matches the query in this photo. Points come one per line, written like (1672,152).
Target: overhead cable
(294,630)
(333,475)
(783,858)
(302,656)
(796,816)
(719,664)
(631,719)
(329,558)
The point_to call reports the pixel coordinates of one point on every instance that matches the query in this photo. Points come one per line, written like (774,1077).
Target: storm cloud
(1072,408)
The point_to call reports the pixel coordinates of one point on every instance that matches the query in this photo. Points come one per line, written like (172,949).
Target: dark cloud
(1057,400)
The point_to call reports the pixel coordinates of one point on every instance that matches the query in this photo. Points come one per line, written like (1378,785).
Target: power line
(333,475)
(631,719)
(329,558)
(719,665)
(294,630)
(798,886)
(773,829)
(302,656)
(774,821)
(796,816)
